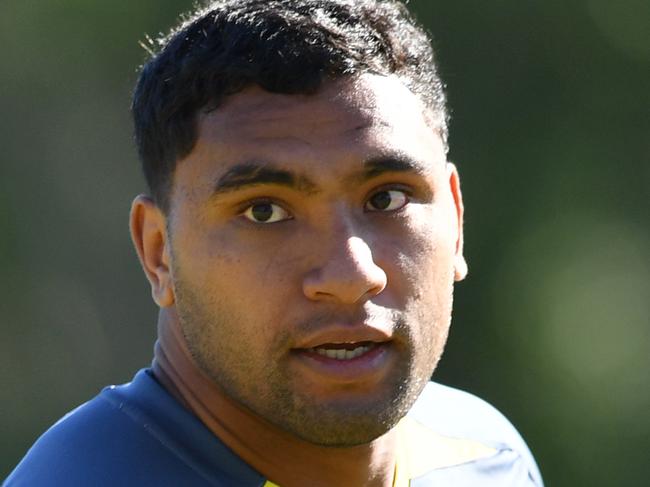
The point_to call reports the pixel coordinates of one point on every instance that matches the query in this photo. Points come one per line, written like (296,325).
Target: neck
(278,455)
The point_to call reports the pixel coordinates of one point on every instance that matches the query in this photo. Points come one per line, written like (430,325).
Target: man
(301,237)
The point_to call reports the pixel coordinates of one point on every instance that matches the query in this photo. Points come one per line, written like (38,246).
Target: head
(304,227)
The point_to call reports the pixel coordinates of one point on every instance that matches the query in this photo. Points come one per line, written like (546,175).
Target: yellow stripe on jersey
(421,450)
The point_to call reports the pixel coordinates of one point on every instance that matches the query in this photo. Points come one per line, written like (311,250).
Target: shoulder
(128,435)
(457,413)
(480,444)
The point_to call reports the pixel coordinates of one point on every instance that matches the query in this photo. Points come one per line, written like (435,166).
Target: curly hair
(283,46)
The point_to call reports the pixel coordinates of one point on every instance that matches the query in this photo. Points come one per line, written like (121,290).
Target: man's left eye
(387,200)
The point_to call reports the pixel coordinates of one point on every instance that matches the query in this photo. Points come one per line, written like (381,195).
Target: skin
(299,222)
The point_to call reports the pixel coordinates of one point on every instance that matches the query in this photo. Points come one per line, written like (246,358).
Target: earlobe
(149,236)
(460,268)
(460,265)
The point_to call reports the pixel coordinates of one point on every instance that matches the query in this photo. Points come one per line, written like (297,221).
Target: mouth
(339,363)
(343,351)
(345,354)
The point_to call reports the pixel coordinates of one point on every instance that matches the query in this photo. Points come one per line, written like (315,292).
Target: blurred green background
(550,130)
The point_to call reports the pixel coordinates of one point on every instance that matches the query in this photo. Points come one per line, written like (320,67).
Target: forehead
(367,98)
(347,121)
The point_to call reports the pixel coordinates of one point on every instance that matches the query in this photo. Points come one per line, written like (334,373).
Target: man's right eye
(266,212)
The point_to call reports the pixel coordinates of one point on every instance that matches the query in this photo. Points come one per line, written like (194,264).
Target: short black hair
(283,46)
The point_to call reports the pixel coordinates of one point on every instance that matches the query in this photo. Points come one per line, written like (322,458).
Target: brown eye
(266,212)
(387,200)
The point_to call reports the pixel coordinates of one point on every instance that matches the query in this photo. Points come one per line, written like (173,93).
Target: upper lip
(344,333)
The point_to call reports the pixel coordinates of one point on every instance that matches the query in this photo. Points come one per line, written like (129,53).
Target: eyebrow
(379,165)
(249,174)
(254,173)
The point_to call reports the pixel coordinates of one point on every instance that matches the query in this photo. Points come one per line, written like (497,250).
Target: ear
(460,265)
(149,236)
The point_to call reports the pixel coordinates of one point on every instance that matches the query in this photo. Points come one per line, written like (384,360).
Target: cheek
(419,257)
(255,275)
(426,269)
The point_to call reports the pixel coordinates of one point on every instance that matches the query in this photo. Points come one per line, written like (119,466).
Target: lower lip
(364,368)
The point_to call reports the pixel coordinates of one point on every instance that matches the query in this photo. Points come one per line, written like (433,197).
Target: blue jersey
(139,435)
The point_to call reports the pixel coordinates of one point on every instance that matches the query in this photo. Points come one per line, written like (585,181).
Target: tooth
(342,353)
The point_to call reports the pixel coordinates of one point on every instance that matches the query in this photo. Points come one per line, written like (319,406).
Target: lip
(365,369)
(344,333)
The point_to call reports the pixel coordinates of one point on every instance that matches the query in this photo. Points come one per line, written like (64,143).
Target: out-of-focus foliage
(550,130)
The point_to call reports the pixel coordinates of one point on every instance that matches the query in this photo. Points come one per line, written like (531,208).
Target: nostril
(348,276)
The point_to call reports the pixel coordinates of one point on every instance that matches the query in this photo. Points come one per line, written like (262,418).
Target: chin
(350,422)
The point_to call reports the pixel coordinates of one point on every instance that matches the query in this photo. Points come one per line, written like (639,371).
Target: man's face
(313,243)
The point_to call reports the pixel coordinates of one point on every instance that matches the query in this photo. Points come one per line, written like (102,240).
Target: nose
(348,275)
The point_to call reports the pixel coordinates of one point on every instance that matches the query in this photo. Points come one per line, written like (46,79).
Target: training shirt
(137,434)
